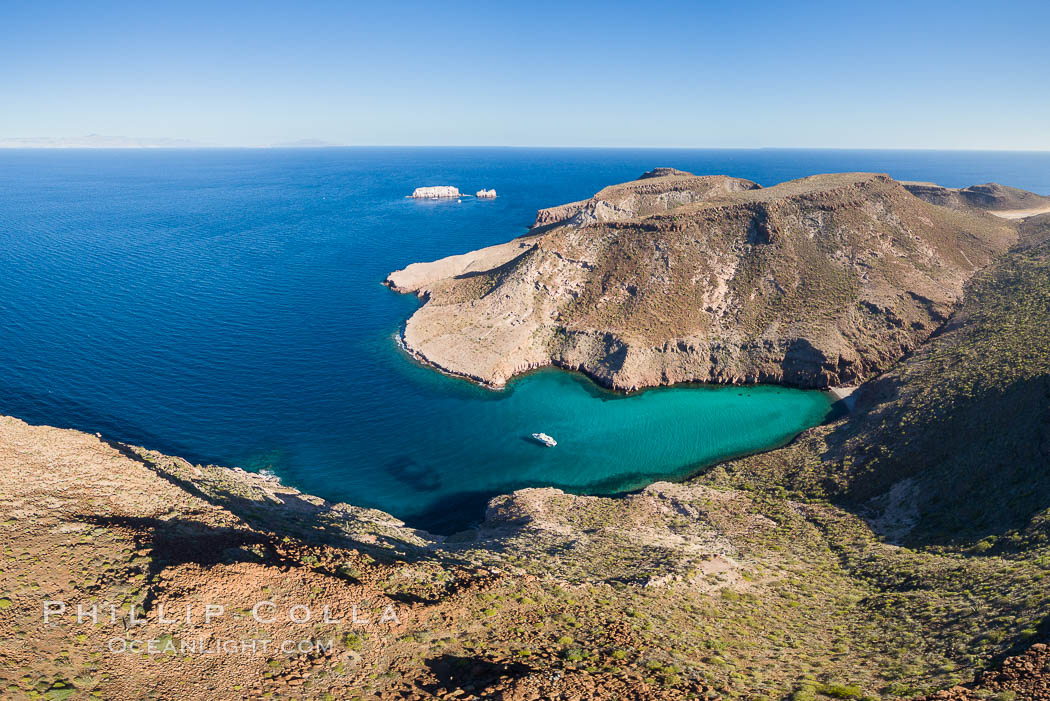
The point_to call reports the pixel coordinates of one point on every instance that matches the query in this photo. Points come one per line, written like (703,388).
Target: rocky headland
(891,553)
(898,551)
(813,283)
(1000,200)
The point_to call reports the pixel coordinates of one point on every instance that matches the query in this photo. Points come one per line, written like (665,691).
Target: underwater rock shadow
(410,472)
(297,517)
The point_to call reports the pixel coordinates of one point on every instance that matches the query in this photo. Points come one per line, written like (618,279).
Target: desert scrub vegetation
(971,581)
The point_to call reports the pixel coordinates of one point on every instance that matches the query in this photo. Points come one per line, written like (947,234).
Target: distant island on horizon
(102,141)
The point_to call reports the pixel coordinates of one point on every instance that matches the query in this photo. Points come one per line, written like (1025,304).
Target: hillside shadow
(298,516)
(179,541)
(456,673)
(980,465)
(500,270)
(804,365)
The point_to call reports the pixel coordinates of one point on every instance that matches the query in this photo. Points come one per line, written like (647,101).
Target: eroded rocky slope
(816,282)
(897,551)
(659,190)
(1003,201)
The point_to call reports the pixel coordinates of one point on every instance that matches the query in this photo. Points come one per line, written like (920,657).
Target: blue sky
(691,74)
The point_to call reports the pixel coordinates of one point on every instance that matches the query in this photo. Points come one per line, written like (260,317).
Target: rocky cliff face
(991,197)
(816,282)
(659,190)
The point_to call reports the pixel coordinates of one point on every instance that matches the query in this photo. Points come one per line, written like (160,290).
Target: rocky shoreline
(526,520)
(665,593)
(892,553)
(675,278)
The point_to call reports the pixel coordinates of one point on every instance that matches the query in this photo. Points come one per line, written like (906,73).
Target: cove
(475,443)
(226,306)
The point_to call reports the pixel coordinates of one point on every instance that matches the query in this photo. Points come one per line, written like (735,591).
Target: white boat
(545,439)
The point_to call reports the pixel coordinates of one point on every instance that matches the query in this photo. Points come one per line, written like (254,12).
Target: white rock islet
(435,192)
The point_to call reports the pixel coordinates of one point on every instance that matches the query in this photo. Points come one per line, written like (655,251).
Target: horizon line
(321,147)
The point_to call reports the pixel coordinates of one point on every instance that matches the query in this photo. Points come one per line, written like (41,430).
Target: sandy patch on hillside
(1019,213)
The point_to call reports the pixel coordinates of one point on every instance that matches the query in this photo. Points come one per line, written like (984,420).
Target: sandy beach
(1019,213)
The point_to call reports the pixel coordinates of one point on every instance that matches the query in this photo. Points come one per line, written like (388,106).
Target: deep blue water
(225,305)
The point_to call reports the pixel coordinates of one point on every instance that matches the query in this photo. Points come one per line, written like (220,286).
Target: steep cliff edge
(659,190)
(671,278)
(900,551)
(949,446)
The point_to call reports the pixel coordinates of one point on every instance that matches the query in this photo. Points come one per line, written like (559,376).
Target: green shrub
(840,691)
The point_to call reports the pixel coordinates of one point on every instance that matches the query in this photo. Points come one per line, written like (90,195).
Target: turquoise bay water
(475,442)
(226,306)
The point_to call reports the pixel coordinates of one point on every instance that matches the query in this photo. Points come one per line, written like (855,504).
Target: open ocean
(226,306)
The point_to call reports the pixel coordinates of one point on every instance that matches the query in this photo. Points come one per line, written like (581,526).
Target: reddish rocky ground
(1024,676)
